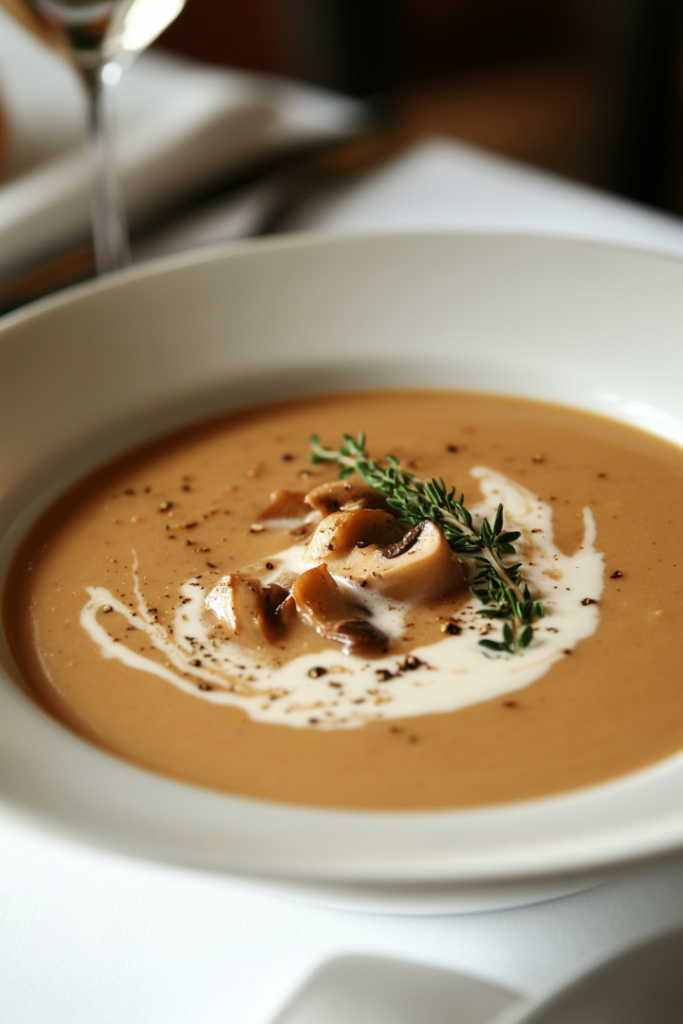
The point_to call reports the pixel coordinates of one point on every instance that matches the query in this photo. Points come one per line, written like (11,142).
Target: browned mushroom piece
(338,495)
(340,532)
(289,506)
(419,566)
(252,611)
(321,604)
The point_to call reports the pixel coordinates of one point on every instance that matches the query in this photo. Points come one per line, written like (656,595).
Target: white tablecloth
(86,936)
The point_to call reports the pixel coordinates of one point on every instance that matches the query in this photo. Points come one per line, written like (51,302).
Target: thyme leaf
(500,588)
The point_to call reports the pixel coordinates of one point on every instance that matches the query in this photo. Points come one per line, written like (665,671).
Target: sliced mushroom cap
(286,505)
(321,604)
(253,612)
(338,495)
(418,567)
(340,532)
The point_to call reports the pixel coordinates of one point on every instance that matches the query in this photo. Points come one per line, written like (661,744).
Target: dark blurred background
(588,88)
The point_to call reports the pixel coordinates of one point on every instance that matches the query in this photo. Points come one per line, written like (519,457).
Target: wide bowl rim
(165,263)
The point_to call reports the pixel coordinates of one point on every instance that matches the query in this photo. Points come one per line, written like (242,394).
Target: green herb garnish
(499,587)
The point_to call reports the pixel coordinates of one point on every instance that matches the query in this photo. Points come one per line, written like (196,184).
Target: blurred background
(591,89)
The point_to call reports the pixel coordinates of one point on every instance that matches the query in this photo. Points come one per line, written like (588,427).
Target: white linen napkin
(441,184)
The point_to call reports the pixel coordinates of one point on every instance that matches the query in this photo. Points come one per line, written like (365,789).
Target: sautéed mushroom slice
(255,613)
(340,495)
(321,604)
(373,549)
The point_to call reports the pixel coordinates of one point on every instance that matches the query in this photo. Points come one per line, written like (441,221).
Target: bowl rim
(293,240)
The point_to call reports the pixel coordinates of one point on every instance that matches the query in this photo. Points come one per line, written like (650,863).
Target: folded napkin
(181,125)
(441,184)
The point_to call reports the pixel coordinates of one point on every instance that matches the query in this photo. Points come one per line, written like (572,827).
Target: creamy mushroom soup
(218,607)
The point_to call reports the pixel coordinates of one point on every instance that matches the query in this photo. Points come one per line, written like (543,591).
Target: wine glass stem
(109,222)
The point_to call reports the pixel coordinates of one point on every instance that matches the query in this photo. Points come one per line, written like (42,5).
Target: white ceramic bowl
(87,373)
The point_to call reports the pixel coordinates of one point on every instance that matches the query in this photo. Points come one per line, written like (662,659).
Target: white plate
(88,372)
(640,986)
(643,985)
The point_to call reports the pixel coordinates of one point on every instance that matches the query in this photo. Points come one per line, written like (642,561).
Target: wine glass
(101,38)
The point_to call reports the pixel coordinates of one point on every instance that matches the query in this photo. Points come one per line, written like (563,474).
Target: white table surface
(87,936)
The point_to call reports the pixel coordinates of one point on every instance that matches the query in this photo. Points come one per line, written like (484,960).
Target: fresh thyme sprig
(499,587)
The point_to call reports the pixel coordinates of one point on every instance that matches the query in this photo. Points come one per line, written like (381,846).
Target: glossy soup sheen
(613,704)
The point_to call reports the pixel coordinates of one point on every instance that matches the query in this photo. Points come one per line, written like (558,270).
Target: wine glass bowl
(98,31)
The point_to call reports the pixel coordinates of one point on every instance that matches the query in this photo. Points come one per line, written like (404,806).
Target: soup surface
(128,607)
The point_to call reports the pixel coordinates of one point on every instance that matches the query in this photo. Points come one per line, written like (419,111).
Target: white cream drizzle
(202,660)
